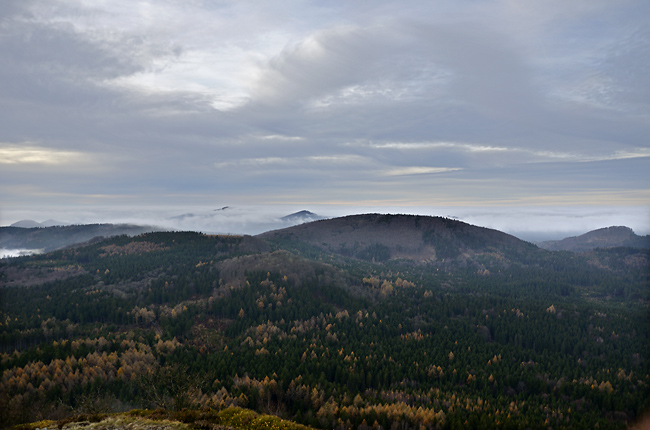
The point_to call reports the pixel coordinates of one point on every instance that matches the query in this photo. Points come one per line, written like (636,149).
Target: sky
(524,116)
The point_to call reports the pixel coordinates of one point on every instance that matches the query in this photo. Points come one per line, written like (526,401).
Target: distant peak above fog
(28,223)
(302,216)
(608,237)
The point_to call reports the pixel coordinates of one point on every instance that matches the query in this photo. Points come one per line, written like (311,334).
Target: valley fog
(532,224)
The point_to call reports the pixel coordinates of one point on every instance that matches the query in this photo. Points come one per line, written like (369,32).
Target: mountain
(301,217)
(608,237)
(424,239)
(28,223)
(52,238)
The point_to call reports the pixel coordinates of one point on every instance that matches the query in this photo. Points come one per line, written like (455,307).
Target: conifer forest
(484,333)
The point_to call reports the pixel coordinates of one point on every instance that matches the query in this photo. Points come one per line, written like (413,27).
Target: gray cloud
(416,104)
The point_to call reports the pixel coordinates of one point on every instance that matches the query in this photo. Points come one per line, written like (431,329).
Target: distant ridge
(608,237)
(57,237)
(28,223)
(52,223)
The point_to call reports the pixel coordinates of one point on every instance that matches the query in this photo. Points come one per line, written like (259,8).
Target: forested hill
(494,333)
(425,239)
(56,237)
(608,237)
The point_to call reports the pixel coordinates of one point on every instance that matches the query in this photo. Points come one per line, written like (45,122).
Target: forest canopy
(488,334)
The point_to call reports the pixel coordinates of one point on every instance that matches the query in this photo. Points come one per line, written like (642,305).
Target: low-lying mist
(533,224)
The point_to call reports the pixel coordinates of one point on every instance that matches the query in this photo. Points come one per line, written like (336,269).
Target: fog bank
(528,223)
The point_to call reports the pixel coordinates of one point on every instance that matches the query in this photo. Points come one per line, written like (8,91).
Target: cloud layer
(416,104)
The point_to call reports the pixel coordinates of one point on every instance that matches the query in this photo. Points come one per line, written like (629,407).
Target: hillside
(421,239)
(499,334)
(608,237)
(56,237)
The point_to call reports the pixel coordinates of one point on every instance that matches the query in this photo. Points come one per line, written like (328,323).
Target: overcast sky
(495,106)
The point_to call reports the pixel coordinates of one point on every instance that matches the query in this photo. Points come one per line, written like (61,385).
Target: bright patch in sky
(18,154)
